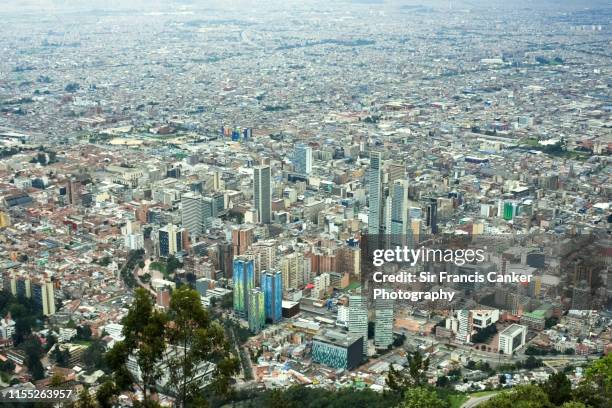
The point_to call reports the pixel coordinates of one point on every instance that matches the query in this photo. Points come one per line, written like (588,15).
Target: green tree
(193,341)
(144,339)
(522,396)
(414,375)
(105,395)
(61,357)
(573,404)
(422,397)
(33,351)
(93,356)
(558,388)
(85,400)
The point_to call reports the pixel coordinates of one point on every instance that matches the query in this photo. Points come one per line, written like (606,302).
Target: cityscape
(381,203)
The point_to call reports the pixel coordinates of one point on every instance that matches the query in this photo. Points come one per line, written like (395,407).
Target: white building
(512,338)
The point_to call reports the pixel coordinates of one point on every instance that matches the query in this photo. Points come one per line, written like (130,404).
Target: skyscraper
(375,199)
(242,239)
(302,159)
(383,329)
(197,213)
(244,281)
(432,215)
(400,222)
(262,193)
(272,286)
(257,314)
(170,240)
(358,319)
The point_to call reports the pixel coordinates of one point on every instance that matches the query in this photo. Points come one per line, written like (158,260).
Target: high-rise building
(293,270)
(197,213)
(242,239)
(170,240)
(397,171)
(256,310)
(432,216)
(43,296)
(302,159)
(400,222)
(265,255)
(272,286)
(321,284)
(383,329)
(262,193)
(73,192)
(375,195)
(244,281)
(358,320)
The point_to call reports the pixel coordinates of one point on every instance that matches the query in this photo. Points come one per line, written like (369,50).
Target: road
(472,402)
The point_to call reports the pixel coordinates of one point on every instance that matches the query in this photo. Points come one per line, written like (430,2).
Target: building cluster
(259,160)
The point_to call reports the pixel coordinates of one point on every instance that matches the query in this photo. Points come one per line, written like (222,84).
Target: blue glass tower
(272,286)
(244,281)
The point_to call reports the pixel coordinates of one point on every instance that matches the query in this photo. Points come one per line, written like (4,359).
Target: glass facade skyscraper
(302,159)
(271,284)
(375,203)
(257,313)
(244,282)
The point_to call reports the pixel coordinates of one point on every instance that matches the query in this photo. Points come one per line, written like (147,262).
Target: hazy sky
(80,5)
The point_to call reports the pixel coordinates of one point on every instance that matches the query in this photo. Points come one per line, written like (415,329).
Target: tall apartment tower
(262,193)
(256,310)
(358,319)
(244,282)
(272,286)
(383,329)
(302,159)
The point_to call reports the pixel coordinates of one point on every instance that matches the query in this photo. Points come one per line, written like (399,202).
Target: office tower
(256,310)
(73,192)
(400,223)
(302,159)
(464,330)
(337,350)
(217,182)
(512,338)
(244,281)
(432,215)
(397,171)
(197,213)
(292,268)
(201,286)
(262,193)
(375,199)
(358,320)
(242,239)
(272,286)
(383,329)
(581,296)
(170,240)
